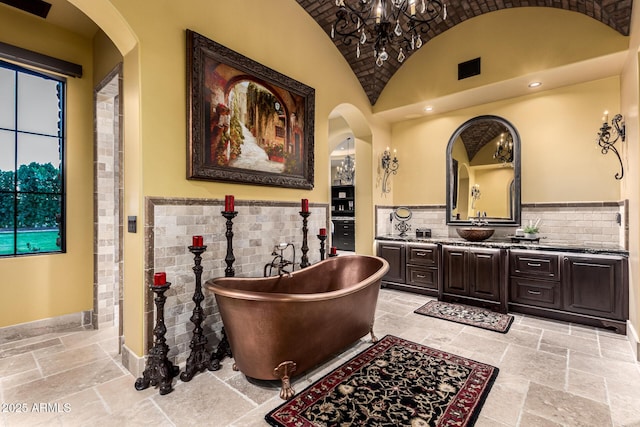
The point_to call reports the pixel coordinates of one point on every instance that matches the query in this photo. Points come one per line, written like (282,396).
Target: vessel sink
(475,234)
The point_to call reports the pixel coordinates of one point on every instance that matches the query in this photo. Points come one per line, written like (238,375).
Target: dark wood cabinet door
(395,256)
(455,277)
(484,274)
(596,286)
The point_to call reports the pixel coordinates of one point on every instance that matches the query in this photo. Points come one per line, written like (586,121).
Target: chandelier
(504,149)
(386,23)
(346,172)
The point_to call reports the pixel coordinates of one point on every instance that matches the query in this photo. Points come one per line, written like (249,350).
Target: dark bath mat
(468,315)
(394,382)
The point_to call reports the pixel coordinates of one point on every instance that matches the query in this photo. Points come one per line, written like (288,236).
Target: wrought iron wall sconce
(389,166)
(607,132)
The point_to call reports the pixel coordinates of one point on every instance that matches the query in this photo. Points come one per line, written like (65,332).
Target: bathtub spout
(279,262)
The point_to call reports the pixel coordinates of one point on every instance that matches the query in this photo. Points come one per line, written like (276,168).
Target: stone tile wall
(590,223)
(257,228)
(107,207)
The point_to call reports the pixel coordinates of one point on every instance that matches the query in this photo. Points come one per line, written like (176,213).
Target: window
(31,162)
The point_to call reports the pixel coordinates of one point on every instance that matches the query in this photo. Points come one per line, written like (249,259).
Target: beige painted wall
(511,43)
(105,57)
(630,95)
(560,160)
(43,286)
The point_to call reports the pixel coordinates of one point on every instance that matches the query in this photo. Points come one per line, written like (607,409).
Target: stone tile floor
(551,374)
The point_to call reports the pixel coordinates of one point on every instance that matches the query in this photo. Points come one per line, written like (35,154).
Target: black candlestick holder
(229,259)
(322,238)
(200,358)
(304,261)
(159,371)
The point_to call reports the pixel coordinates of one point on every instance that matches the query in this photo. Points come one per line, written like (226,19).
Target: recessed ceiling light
(428,109)
(535,84)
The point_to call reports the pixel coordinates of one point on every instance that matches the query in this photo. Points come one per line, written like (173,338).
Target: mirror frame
(402,218)
(515,220)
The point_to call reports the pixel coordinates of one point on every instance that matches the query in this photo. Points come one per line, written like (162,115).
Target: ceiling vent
(469,68)
(36,7)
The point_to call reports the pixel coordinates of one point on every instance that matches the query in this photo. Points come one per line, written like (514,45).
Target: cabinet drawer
(346,226)
(423,277)
(542,293)
(422,255)
(535,265)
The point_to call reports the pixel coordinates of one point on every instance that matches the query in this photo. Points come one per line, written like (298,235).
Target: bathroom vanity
(576,284)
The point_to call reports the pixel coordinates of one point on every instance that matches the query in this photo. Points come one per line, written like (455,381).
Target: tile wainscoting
(258,227)
(560,223)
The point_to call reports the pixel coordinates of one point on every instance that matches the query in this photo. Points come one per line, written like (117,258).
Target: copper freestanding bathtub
(282,326)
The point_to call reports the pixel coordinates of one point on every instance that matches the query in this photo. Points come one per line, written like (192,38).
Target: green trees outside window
(31,162)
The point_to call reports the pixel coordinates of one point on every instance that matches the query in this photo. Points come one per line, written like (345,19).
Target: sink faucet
(480,220)
(279,262)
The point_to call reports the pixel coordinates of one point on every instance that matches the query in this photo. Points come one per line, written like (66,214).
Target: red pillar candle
(334,250)
(305,205)
(198,241)
(229,203)
(160,279)
(323,231)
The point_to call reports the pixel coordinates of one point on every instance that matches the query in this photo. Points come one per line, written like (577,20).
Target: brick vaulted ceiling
(614,13)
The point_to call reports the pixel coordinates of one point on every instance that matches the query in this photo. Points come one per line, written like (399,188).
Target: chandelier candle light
(475,195)
(395,24)
(606,132)
(346,172)
(504,149)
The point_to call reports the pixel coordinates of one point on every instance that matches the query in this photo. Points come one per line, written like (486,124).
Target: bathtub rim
(219,290)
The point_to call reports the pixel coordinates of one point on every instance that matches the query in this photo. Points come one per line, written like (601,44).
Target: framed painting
(246,122)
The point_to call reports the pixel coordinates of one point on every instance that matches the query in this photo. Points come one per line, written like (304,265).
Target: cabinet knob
(420,276)
(533,264)
(529,291)
(421,254)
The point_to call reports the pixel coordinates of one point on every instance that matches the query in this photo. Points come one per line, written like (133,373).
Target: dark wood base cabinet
(591,289)
(412,267)
(344,235)
(394,253)
(587,289)
(474,276)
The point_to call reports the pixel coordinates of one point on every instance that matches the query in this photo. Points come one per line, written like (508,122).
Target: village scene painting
(248,123)
(251,124)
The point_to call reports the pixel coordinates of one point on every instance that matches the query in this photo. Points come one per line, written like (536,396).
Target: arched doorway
(346,121)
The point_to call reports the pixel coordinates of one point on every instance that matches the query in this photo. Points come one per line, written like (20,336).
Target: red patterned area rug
(469,315)
(395,382)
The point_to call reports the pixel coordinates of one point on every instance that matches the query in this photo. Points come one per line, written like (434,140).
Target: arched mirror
(483,172)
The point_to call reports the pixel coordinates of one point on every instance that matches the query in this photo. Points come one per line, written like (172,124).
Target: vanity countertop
(592,248)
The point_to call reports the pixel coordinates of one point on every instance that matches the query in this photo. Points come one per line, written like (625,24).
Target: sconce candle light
(389,167)
(607,132)
(475,195)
